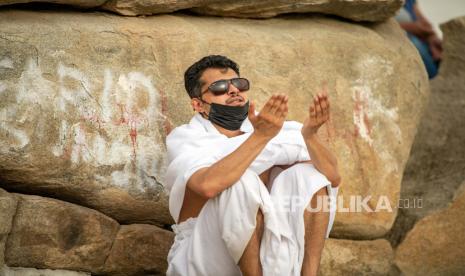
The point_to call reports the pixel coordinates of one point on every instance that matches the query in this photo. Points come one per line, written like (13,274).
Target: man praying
(244,185)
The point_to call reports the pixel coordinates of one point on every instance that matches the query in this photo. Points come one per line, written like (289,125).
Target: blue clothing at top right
(407,14)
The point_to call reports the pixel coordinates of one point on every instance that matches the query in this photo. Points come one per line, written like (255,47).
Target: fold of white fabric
(291,193)
(199,144)
(223,229)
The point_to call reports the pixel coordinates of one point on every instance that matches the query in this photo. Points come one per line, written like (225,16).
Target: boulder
(453,64)
(139,249)
(349,257)
(436,165)
(74,3)
(435,244)
(8,204)
(48,233)
(144,7)
(84,119)
(22,271)
(357,10)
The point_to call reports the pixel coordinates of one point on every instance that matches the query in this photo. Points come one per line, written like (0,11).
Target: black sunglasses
(221,87)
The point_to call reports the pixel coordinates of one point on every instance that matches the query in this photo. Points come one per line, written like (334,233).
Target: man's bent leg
(224,235)
(316,220)
(249,263)
(293,190)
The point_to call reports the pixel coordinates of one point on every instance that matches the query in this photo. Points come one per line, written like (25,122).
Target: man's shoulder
(184,129)
(178,129)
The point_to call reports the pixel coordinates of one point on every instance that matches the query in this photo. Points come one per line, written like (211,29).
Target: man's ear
(197,105)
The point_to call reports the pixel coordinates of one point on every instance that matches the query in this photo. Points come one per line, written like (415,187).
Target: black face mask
(228,117)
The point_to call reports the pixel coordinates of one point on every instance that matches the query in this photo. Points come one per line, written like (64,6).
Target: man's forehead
(213,74)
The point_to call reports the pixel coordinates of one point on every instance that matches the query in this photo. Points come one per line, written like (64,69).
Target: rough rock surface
(48,233)
(84,119)
(8,205)
(148,7)
(61,238)
(436,166)
(358,10)
(81,117)
(74,3)
(348,257)
(139,249)
(435,244)
(22,271)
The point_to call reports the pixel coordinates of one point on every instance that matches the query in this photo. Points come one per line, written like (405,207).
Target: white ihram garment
(213,243)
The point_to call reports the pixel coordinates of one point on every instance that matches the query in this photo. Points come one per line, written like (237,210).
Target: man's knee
(307,173)
(301,167)
(306,180)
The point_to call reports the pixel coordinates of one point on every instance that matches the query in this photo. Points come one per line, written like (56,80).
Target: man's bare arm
(323,159)
(208,182)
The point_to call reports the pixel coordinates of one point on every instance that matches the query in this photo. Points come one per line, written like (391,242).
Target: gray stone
(22,271)
(358,10)
(139,249)
(8,203)
(435,246)
(436,165)
(144,7)
(348,257)
(74,3)
(48,233)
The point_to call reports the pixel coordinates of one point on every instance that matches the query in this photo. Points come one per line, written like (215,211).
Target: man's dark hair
(194,72)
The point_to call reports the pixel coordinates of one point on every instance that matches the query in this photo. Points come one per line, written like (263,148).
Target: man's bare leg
(249,263)
(316,224)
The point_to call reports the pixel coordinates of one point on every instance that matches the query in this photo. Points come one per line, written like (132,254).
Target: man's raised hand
(271,118)
(318,114)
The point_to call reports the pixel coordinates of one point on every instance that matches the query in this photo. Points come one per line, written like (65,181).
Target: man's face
(233,97)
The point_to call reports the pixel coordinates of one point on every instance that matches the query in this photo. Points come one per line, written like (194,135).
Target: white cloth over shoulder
(199,144)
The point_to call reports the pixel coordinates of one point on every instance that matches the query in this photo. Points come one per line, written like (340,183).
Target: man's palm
(271,118)
(318,114)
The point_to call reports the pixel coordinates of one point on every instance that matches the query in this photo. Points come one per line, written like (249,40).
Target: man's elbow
(207,191)
(208,194)
(201,185)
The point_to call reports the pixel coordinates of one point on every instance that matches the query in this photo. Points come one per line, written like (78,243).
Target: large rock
(48,233)
(139,249)
(22,271)
(8,205)
(435,246)
(74,3)
(358,10)
(82,115)
(84,118)
(347,257)
(144,7)
(436,165)
(453,64)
